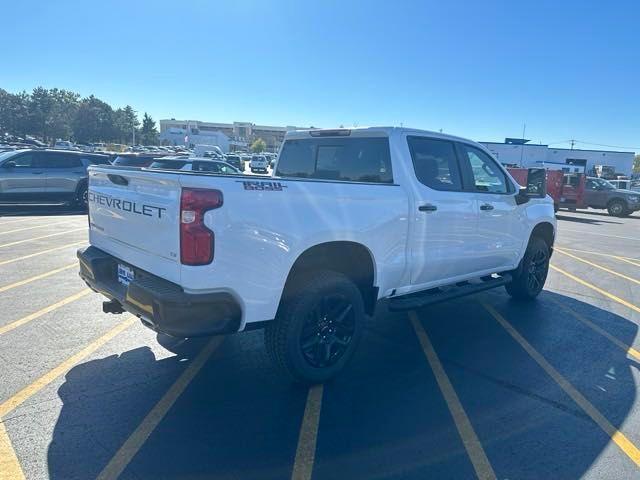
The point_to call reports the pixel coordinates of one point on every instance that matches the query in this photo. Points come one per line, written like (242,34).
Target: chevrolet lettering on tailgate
(126,205)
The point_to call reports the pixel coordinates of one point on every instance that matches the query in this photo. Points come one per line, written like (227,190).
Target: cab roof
(371,131)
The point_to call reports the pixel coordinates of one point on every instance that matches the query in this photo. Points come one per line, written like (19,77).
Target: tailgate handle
(118,179)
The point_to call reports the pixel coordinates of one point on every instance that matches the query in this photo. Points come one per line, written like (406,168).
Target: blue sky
(567,69)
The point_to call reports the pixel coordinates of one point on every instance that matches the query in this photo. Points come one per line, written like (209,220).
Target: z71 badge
(264,186)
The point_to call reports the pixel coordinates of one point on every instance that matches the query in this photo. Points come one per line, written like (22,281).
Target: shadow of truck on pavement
(384,417)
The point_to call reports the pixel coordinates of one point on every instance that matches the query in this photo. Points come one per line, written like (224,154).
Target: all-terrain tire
(324,314)
(529,278)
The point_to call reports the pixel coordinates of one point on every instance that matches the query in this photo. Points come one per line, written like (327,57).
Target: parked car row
(47,176)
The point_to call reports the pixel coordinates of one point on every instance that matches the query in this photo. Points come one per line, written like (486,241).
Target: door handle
(427,208)
(37,173)
(486,206)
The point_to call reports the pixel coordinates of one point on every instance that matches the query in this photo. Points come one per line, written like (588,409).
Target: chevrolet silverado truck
(349,218)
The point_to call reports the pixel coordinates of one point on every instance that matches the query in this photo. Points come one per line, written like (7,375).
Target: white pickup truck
(349,217)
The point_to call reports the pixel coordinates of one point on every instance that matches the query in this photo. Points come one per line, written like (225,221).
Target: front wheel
(529,279)
(316,332)
(617,208)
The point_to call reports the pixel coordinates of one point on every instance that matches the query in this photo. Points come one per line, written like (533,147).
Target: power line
(604,145)
(574,141)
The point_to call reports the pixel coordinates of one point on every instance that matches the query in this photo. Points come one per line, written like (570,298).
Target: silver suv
(46,176)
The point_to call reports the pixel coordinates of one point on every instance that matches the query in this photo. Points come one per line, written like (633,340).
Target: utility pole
(133,135)
(524,129)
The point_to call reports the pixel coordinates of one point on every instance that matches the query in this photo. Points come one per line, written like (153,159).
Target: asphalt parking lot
(481,387)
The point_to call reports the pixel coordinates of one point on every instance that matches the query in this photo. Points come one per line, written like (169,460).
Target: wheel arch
(546,231)
(84,182)
(350,258)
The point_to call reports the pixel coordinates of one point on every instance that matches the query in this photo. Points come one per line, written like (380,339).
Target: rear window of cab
(342,159)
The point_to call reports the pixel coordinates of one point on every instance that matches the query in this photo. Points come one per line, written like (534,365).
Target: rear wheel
(617,208)
(82,197)
(316,332)
(529,279)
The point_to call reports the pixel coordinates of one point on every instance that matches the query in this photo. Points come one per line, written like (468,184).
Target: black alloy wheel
(328,331)
(537,270)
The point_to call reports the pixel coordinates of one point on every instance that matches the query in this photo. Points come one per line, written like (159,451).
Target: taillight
(196,240)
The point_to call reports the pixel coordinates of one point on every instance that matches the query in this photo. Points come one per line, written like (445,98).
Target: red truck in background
(567,189)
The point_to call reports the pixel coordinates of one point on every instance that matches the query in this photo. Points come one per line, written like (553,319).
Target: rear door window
(341,159)
(60,160)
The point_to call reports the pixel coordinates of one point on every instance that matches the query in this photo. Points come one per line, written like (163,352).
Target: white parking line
(560,230)
(43,236)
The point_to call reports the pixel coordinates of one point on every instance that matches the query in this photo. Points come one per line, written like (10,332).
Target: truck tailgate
(133,215)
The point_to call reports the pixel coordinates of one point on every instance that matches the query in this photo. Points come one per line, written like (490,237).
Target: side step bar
(437,295)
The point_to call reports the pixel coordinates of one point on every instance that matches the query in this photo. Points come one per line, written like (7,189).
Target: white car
(350,218)
(259,164)
(64,145)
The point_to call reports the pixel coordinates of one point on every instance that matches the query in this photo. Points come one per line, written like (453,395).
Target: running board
(442,294)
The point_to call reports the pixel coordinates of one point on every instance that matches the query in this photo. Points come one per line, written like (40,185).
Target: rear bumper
(162,305)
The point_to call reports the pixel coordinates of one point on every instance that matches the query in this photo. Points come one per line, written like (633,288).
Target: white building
(530,155)
(228,136)
(188,137)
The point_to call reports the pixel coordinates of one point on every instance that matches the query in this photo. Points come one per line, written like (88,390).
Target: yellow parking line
(611,296)
(136,440)
(626,260)
(623,346)
(31,255)
(306,450)
(472,444)
(43,311)
(618,437)
(33,388)
(9,465)
(632,261)
(32,227)
(43,236)
(37,277)
(604,269)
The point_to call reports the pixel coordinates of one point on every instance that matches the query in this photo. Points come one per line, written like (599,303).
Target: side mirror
(9,164)
(522,196)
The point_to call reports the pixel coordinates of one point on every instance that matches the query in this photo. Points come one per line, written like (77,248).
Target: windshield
(603,184)
(5,155)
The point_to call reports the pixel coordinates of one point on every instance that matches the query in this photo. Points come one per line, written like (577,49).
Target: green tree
(64,107)
(14,113)
(126,121)
(40,108)
(148,133)
(93,121)
(50,113)
(636,164)
(258,146)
